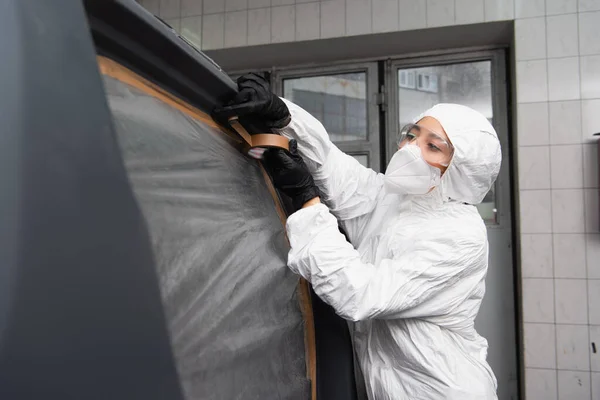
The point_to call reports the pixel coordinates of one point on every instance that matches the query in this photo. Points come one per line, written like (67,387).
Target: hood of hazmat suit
(412,277)
(476,161)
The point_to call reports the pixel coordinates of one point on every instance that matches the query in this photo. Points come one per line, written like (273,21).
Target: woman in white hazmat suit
(413,275)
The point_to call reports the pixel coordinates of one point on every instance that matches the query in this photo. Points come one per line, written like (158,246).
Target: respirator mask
(409,173)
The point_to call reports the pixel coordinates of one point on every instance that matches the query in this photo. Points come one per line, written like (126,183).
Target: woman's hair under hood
(477,153)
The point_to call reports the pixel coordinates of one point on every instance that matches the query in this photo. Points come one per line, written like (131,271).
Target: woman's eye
(434,147)
(410,137)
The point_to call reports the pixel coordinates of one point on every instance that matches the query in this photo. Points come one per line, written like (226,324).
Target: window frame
(371,145)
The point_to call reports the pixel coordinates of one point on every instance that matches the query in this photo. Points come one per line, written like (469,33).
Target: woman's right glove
(290,174)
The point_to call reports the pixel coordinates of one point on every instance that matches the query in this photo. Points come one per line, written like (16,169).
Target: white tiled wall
(558,110)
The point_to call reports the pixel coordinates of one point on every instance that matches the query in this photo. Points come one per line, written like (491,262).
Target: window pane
(338,101)
(362,158)
(469,84)
(487,208)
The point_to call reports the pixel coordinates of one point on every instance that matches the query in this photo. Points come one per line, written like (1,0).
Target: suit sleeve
(429,280)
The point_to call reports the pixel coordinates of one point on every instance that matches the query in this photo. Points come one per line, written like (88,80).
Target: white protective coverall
(414,276)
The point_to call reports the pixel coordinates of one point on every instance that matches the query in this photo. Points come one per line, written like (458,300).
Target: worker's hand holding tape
(290,175)
(256,105)
(258,109)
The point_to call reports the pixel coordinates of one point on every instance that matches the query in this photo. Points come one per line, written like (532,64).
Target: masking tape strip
(264,140)
(117,71)
(268,140)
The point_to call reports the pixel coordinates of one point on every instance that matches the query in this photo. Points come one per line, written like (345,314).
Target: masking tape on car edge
(265,140)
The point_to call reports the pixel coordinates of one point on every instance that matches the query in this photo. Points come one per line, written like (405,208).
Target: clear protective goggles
(434,148)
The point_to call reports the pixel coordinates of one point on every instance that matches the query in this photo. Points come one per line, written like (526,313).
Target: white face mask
(409,173)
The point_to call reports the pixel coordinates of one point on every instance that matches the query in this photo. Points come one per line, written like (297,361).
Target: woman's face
(429,135)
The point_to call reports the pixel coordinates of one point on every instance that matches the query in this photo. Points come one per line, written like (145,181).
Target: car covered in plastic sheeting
(143,252)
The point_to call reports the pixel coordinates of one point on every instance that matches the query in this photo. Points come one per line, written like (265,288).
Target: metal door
(477,80)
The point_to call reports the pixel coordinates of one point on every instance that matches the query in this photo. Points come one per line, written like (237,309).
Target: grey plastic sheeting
(234,317)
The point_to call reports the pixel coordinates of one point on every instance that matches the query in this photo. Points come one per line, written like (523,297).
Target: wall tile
(190,8)
(534,167)
(565,122)
(413,14)
(563,79)
(529,8)
(469,11)
(532,81)
(191,29)
(283,24)
(590,120)
(573,385)
(152,6)
(595,385)
(590,79)
(567,166)
(213,31)
(170,9)
(540,384)
(595,357)
(259,3)
(440,13)
(589,5)
(589,33)
(236,28)
(562,36)
(594,301)
(499,10)
(555,7)
(358,17)
(536,256)
(333,18)
(530,38)
(571,305)
(572,347)
(307,21)
(259,26)
(569,255)
(236,5)
(593,255)
(539,344)
(592,224)
(304,1)
(385,16)
(276,3)
(532,124)
(567,213)
(590,165)
(536,214)
(213,6)
(538,300)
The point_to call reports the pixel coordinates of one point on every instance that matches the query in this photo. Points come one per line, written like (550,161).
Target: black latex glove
(290,174)
(256,105)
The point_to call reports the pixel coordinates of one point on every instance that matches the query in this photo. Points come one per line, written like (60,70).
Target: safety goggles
(434,148)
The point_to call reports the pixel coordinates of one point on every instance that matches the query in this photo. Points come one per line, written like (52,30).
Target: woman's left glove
(290,174)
